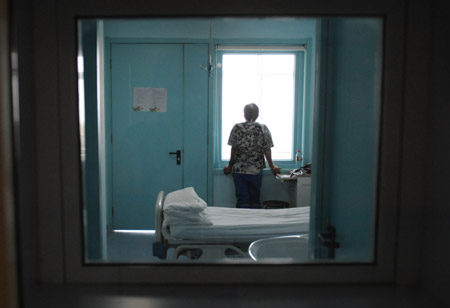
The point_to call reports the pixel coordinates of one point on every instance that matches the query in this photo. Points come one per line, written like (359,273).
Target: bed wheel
(191,254)
(209,253)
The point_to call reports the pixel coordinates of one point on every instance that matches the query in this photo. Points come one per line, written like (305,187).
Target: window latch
(208,67)
(328,239)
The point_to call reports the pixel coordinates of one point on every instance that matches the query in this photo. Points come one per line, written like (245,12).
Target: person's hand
(227,169)
(275,170)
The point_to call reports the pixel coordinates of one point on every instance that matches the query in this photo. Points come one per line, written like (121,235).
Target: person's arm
(268,154)
(227,168)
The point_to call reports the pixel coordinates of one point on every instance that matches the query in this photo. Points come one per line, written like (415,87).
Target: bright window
(268,80)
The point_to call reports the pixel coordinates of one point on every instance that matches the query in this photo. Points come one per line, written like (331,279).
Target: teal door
(144,77)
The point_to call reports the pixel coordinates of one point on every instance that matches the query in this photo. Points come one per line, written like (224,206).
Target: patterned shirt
(250,140)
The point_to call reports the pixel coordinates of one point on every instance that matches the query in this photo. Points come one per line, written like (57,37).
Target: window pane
(335,91)
(267,80)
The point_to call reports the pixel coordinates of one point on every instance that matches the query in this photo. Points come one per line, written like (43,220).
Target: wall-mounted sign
(150,99)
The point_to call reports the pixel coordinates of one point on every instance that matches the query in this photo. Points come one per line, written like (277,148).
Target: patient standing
(250,143)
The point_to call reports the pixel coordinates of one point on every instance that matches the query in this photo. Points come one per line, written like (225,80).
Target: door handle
(178,154)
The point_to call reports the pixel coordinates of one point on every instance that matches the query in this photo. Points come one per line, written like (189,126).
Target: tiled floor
(135,247)
(130,247)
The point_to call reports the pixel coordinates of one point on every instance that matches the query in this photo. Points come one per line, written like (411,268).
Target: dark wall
(24,144)
(435,265)
(436,252)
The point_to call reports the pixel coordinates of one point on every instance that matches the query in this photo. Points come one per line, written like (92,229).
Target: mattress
(242,225)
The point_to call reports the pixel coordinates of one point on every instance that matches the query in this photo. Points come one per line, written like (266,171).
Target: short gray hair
(251,112)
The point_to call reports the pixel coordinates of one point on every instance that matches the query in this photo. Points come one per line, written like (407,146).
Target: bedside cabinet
(303,195)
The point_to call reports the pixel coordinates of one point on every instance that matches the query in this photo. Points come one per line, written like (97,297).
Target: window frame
(301,75)
(61,240)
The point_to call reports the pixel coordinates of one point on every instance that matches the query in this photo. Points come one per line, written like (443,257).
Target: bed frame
(215,249)
(193,250)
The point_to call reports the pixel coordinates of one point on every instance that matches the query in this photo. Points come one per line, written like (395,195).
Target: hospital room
(159,99)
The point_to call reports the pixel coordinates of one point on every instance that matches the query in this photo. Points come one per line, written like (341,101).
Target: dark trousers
(248,188)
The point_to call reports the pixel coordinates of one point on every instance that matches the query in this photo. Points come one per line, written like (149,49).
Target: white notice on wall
(150,99)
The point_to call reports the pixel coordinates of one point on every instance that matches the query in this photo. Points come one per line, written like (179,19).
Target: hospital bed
(210,233)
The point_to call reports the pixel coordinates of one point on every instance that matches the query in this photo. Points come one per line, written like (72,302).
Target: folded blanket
(184,200)
(187,218)
(185,207)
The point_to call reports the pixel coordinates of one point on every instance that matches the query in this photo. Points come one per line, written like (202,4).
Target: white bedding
(241,225)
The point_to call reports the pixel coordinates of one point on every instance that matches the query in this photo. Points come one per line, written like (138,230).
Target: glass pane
(267,80)
(153,116)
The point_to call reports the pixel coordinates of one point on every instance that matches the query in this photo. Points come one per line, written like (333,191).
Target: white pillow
(184,200)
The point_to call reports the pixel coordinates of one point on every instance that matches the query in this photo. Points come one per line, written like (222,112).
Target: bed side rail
(158,247)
